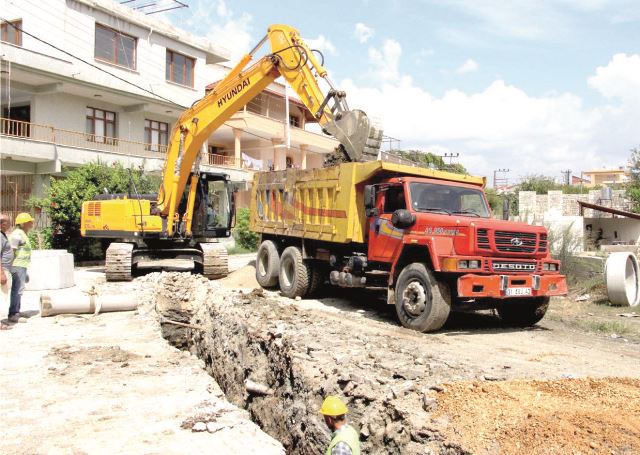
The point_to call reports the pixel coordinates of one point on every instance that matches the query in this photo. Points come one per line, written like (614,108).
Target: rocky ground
(112,385)
(475,387)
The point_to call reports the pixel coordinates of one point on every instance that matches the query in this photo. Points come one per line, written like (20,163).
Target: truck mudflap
(509,286)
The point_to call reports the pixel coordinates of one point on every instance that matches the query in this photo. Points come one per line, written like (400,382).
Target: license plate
(518,291)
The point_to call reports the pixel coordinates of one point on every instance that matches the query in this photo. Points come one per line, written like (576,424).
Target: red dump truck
(424,237)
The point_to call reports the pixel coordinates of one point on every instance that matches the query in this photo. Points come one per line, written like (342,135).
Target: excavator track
(215,260)
(118,262)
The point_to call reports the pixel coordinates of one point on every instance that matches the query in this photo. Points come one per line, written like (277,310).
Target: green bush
(243,236)
(63,201)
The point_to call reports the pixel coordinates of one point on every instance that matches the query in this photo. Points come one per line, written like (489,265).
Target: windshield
(448,199)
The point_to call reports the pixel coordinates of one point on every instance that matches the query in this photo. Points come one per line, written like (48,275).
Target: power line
(91,64)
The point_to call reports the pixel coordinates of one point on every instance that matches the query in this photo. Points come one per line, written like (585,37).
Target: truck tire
(523,312)
(294,273)
(267,264)
(422,303)
(316,277)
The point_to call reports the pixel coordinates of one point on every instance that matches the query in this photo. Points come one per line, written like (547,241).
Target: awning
(602,208)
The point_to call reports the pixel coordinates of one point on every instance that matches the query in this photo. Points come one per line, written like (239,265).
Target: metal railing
(214,159)
(59,136)
(393,158)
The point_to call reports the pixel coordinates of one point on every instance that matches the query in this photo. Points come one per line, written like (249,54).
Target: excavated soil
(408,393)
(583,415)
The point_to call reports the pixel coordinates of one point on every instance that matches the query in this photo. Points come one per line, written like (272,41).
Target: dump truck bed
(326,204)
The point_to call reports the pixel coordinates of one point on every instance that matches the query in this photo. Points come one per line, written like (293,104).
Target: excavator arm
(290,58)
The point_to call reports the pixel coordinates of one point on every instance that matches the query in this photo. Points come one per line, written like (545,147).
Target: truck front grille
(515,242)
(483,239)
(511,241)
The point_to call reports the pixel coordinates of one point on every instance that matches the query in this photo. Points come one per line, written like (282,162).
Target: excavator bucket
(360,139)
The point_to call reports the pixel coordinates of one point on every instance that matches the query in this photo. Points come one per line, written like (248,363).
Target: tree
(633,186)
(63,201)
(430,160)
(541,184)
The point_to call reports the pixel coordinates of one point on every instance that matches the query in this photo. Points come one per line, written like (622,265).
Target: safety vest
(23,252)
(349,436)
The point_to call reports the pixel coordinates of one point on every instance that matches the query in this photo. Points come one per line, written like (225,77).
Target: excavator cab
(214,206)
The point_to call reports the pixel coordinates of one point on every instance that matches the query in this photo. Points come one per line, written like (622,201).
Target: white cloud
(386,61)
(221,9)
(363,32)
(469,66)
(502,125)
(323,44)
(220,25)
(619,79)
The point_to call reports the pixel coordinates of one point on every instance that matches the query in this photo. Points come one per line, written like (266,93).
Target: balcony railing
(214,159)
(59,136)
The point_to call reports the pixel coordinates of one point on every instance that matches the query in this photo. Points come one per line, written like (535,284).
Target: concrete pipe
(50,305)
(621,278)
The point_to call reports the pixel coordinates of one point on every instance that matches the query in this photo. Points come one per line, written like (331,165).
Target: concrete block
(50,269)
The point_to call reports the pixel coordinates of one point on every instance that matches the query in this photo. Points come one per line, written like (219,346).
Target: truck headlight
(550,267)
(469,264)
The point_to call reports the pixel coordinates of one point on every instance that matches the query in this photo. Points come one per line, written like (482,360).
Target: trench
(270,359)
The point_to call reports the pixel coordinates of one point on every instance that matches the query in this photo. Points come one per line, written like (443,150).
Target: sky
(536,87)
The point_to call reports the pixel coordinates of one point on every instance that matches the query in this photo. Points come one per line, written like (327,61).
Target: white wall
(70,25)
(626,229)
(66,111)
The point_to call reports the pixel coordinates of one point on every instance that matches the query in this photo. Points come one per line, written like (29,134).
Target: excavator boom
(290,58)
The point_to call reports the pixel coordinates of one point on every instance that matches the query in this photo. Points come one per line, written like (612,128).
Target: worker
(6,258)
(21,246)
(344,438)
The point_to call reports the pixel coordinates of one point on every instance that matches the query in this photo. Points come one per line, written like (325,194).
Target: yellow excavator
(179,227)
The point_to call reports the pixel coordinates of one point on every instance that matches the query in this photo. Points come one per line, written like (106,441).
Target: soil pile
(584,415)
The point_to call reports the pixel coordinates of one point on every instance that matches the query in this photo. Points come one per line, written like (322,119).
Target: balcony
(52,135)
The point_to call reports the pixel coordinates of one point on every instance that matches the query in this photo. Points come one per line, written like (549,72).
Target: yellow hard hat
(23,218)
(333,406)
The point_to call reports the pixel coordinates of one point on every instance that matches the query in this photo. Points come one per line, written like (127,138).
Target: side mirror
(403,219)
(369,197)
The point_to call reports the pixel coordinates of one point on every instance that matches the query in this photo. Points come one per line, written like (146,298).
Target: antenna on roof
(153,6)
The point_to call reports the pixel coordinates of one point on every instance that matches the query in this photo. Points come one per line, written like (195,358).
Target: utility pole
(451,156)
(500,181)
(566,175)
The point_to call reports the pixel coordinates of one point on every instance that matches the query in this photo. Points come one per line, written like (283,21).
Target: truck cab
(485,263)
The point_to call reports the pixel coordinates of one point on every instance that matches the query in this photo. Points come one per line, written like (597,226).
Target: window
(10,34)
(394,199)
(155,135)
(448,199)
(100,126)
(114,47)
(294,121)
(180,68)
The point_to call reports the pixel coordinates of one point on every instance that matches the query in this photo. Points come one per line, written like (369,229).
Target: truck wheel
(294,273)
(422,304)
(523,312)
(267,264)
(316,277)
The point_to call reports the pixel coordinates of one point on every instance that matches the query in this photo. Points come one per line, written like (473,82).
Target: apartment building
(87,80)
(605,176)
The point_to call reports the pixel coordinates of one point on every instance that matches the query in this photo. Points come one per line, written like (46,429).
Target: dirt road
(354,347)
(108,384)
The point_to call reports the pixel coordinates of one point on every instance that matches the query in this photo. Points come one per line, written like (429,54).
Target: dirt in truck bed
(474,387)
